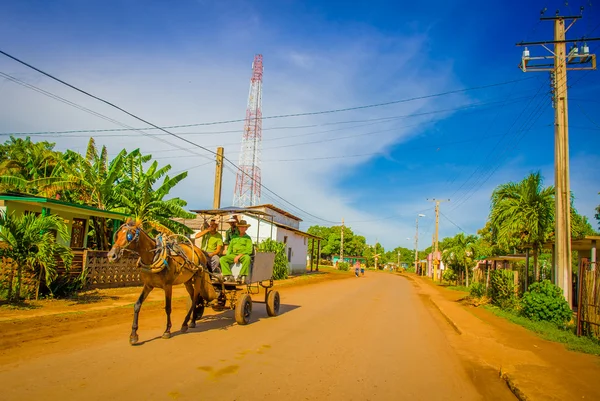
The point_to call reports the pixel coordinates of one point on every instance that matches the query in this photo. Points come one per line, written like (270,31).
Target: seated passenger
(212,244)
(239,250)
(231,232)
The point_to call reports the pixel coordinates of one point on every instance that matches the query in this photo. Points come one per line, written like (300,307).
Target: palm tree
(28,241)
(89,180)
(140,200)
(460,252)
(522,214)
(22,162)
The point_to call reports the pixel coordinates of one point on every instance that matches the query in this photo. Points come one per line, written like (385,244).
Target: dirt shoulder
(48,319)
(536,369)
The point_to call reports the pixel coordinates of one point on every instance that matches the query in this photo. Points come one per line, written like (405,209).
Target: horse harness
(166,248)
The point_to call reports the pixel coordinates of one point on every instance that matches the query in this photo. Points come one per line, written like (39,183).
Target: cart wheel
(273,302)
(243,310)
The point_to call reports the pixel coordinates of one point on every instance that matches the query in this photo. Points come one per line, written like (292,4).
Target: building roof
(508,258)
(224,211)
(583,244)
(54,204)
(300,232)
(276,209)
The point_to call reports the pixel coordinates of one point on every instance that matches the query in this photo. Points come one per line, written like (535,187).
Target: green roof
(90,210)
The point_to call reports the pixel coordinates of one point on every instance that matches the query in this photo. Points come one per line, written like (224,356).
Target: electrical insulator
(585,49)
(526,53)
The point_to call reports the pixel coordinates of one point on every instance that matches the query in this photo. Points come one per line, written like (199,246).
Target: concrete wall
(296,248)
(20,208)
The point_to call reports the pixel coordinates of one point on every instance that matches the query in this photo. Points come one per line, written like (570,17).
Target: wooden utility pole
(563,61)
(436,259)
(218,179)
(417,245)
(342,243)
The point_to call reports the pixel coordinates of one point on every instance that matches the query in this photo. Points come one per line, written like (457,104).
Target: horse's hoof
(184,329)
(133,340)
(166,336)
(193,325)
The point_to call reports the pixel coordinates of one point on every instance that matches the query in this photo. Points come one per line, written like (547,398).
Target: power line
(90,111)
(153,125)
(457,226)
(373,120)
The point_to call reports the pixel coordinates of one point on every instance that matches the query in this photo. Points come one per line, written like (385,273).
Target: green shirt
(230,234)
(240,245)
(210,242)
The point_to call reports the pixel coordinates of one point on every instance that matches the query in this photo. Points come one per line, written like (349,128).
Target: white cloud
(187,88)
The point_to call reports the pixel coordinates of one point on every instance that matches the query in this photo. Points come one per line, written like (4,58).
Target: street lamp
(417,245)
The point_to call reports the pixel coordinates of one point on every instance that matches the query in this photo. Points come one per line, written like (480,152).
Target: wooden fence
(588,310)
(102,274)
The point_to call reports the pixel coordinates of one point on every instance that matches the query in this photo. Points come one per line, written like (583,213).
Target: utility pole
(436,259)
(342,243)
(417,244)
(563,62)
(218,179)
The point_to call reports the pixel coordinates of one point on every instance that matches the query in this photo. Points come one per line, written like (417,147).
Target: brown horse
(164,264)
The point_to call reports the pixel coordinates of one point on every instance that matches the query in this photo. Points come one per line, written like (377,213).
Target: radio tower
(247,181)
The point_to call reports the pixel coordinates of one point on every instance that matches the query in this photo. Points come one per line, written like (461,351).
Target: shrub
(449,274)
(477,290)
(280,266)
(502,289)
(544,301)
(344,266)
(325,262)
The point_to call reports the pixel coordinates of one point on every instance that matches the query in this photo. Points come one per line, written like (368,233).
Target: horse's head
(126,237)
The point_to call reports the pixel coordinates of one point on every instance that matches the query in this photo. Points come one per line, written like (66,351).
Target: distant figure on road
(356,268)
(362,270)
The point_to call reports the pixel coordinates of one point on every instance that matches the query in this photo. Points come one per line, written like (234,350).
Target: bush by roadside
(549,331)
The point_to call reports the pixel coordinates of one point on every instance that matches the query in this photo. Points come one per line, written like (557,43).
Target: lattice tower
(248,178)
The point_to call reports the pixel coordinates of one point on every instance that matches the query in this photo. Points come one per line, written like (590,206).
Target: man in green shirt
(212,244)
(232,231)
(239,250)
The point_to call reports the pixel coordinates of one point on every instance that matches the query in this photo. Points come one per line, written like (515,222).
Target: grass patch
(549,331)
(458,288)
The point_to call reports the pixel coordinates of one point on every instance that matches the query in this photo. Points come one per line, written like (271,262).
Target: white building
(266,221)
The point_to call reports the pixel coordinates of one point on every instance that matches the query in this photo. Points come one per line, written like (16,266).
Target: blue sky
(189,62)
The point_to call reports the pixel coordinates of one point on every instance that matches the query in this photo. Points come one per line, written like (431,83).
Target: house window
(289,254)
(304,240)
(285,239)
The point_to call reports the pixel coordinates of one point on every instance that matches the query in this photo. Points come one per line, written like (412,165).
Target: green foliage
(280,266)
(523,213)
(551,332)
(449,274)
(344,266)
(544,301)
(29,242)
(354,245)
(477,290)
(325,262)
(502,289)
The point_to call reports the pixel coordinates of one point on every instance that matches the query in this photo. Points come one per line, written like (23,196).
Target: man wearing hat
(232,231)
(239,250)
(212,244)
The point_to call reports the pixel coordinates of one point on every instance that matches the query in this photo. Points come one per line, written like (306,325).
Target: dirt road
(370,338)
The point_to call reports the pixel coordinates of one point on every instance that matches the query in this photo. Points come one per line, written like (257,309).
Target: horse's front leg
(168,295)
(133,338)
